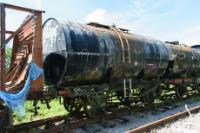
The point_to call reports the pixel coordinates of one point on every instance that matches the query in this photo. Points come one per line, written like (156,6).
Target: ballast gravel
(128,122)
(189,124)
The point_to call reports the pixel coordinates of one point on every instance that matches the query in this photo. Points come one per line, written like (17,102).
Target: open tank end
(54,66)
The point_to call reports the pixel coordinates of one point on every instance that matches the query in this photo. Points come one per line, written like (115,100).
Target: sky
(165,20)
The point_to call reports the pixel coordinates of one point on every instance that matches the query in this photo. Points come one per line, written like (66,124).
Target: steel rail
(68,123)
(35,124)
(163,121)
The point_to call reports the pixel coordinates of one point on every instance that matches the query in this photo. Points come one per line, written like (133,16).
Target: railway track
(50,124)
(152,125)
(63,123)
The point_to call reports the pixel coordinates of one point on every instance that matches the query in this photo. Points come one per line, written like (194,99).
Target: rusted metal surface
(27,46)
(75,53)
(19,8)
(105,26)
(10,32)
(13,34)
(37,85)
(34,124)
(2,46)
(185,58)
(69,123)
(161,122)
(54,129)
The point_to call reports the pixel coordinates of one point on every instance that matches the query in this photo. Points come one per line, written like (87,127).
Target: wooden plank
(2,49)
(19,8)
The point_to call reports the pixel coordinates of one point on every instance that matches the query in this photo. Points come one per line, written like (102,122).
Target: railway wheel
(196,87)
(148,97)
(73,104)
(180,91)
(92,106)
(122,99)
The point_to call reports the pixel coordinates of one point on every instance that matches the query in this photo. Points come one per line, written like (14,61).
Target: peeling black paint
(95,54)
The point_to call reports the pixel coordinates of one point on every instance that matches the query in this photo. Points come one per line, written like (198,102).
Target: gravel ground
(128,122)
(186,125)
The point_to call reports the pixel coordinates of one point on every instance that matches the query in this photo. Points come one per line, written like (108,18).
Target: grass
(55,110)
(195,99)
(43,112)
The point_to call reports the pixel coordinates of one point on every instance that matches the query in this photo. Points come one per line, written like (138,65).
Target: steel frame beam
(2,43)
(37,50)
(19,8)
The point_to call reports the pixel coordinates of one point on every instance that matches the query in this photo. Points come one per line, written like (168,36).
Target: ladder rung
(126,54)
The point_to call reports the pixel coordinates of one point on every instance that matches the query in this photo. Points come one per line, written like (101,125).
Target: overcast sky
(165,20)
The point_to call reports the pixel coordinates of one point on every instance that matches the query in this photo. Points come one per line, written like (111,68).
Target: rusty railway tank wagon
(90,65)
(93,62)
